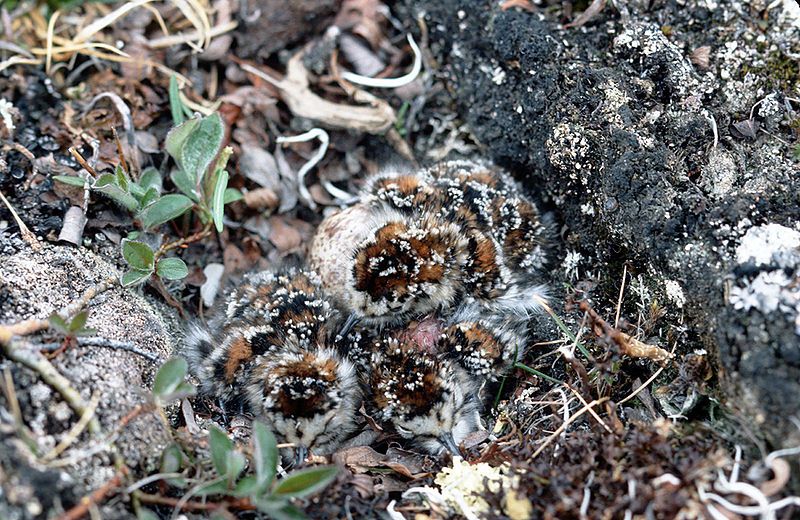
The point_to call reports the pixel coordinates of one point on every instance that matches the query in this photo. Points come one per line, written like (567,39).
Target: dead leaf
(234,260)
(748,128)
(261,199)
(284,237)
(258,165)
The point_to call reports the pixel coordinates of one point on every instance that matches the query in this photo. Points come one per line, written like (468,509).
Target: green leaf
(215,487)
(145,514)
(137,192)
(232,195)
(305,482)
(138,255)
(122,178)
(150,178)
(79,321)
(175,103)
(185,184)
(172,460)
(279,510)
(221,446)
(134,276)
(172,268)
(201,147)
(245,487)
(68,179)
(107,185)
(149,197)
(165,209)
(58,323)
(265,454)
(218,201)
(176,138)
(235,465)
(169,376)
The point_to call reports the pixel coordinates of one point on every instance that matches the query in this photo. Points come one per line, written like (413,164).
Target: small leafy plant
(195,144)
(232,478)
(76,327)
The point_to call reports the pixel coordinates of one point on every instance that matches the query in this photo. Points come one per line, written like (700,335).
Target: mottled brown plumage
(421,241)
(270,348)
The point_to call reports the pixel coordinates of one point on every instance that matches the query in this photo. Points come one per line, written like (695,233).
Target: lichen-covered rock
(34,285)
(660,137)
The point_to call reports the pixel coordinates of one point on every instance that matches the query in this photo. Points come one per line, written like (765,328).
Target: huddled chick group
(414,299)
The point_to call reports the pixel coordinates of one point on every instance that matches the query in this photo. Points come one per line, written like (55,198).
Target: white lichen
(571,263)
(675,293)
(5,115)
(775,249)
(770,244)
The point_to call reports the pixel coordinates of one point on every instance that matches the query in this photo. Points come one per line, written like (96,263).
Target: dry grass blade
(101,23)
(566,424)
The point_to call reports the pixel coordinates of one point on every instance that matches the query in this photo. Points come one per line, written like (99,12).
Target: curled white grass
(763,508)
(367,81)
(394,515)
(314,133)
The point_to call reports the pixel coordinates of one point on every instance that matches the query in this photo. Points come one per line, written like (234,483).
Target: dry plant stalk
(628,345)
(373,115)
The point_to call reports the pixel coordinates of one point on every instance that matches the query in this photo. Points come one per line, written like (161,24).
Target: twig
(10,393)
(103,342)
(240,504)
(85,165)
(591,411)
(21,352)
(175,244)
(566,423)
(76,429)
(28,155)
(621,293)
(121,152)
(80,510)
(29,237)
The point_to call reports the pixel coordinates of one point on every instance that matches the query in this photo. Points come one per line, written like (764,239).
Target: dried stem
(240,504)
(175,244)
(85,165)
(23,353)
(97,496)
(29,237)
(627,344)
(566,423)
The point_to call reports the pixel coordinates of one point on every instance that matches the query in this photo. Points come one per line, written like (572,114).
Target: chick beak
(450,444)
(351,322)
(300,454)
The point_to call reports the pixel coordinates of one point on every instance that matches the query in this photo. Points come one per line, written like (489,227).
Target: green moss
(783,72)
(780,72)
